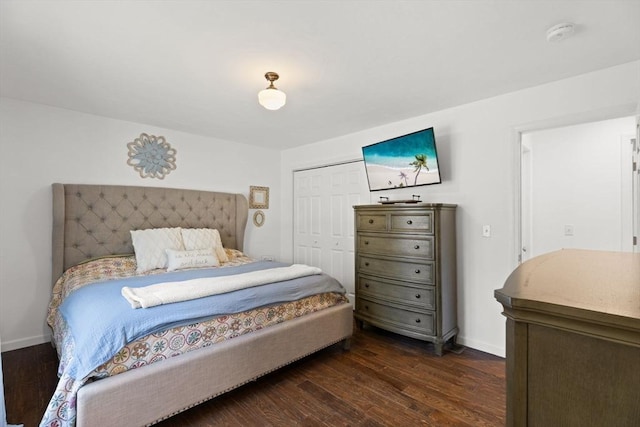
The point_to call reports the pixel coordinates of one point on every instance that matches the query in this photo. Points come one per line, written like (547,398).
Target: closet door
(323,221)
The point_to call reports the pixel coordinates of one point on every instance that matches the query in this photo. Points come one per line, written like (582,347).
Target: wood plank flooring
(384,380)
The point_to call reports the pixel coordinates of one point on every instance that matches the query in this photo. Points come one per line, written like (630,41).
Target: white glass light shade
(272,98)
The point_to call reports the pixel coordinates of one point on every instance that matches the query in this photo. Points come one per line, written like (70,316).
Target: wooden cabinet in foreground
(406,270)
(573,340)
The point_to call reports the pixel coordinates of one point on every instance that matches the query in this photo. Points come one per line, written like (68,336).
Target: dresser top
(582,283)
(405,205)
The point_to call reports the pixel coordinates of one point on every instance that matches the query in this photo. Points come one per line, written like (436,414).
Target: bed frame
(94,220)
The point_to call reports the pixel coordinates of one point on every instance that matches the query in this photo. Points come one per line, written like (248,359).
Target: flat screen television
(406,161)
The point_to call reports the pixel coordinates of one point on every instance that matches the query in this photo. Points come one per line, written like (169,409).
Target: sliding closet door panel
(323,218)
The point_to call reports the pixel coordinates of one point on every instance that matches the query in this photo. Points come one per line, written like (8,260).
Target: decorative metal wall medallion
(151,156)
(258,218)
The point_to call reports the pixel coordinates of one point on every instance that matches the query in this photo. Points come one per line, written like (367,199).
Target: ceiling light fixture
(271,98)
(560,32)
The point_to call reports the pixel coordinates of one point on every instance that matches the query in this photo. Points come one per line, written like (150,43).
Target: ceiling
(196,66)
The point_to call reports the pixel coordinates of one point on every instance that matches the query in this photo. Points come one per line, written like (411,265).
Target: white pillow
(177,260)
(201,238)
(150,246)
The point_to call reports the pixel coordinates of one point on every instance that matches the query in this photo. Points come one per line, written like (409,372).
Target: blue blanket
(101,320)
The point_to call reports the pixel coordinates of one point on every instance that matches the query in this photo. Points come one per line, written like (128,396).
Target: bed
(92,230)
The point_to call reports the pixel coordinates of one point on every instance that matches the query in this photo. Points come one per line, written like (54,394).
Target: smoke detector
(560,32)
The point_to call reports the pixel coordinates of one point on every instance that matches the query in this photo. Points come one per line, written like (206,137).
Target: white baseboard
(25,342)
(482,346)
(478,345)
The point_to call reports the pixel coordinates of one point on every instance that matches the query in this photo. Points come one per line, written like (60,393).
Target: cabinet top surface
(405,205)
(586,280)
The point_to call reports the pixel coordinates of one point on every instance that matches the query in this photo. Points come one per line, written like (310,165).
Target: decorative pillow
(177,260)
(201,238)
(150,245)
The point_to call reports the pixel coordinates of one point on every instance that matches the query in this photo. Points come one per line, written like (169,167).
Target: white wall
(40,145)
(577,181)
(478,147)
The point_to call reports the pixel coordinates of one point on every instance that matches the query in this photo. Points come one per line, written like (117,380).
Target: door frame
(635,187)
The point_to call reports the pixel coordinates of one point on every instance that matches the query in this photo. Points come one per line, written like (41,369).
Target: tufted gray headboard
(95,220)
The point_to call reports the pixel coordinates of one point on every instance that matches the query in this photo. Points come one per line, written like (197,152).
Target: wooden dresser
(573,340)
(405,257)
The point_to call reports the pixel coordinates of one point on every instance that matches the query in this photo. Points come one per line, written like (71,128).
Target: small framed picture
(258,197)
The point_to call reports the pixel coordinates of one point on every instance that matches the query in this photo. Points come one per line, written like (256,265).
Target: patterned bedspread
(61,411)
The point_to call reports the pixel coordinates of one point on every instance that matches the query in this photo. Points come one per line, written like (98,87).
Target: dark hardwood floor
(384,380)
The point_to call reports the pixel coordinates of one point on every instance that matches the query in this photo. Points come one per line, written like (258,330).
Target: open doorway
(577,187)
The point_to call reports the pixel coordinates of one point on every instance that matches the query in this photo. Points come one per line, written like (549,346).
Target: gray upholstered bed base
(149,394)
(94,220)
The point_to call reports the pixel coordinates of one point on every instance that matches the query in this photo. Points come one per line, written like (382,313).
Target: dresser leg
(439,346)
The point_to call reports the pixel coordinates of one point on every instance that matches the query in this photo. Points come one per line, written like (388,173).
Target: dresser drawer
(396,246)
(371,222)
(418,222)
(406,319)
(423,297)
(421,272)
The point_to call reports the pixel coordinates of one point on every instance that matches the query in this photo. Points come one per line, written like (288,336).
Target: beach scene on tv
(406,161)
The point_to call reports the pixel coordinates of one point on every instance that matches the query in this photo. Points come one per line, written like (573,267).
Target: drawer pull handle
(370,221)
(409,222)
(366,264)
(416,247)
(417,320)
(366,285)
(418,296)
(366,307)
(417,271)
(366,242)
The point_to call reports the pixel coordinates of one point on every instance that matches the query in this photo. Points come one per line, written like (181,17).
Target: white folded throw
(169,292)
